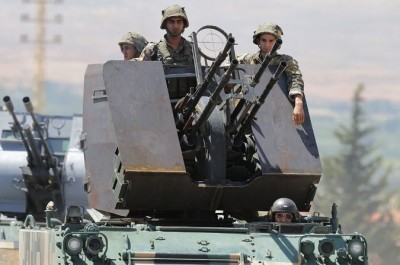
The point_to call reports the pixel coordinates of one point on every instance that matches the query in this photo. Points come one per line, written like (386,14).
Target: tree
(356,180)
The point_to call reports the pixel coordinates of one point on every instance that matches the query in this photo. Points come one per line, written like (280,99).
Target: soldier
(264,37)
(284,210)
(173,49)
(132,45)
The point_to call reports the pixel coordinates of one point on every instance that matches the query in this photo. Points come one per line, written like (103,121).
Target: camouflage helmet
(134,38)
(267,28)
(284,205)
(173,11)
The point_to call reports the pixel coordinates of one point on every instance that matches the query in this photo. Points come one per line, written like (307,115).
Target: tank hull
(147,244)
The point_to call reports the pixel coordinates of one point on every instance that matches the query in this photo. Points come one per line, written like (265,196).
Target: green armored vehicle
(191,180)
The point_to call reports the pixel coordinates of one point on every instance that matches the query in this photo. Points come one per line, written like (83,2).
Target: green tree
(356,180)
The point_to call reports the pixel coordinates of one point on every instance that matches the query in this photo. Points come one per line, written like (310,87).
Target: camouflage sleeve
(244,58)
(294,76)
(146,53)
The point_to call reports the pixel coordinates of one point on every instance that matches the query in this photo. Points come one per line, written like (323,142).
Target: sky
(338,43)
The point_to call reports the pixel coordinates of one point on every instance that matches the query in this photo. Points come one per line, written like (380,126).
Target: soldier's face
(266,42)
(129,51)
(283,217)
(175,26)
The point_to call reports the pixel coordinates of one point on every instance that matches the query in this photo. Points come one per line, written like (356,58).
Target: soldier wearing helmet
(284,210)
(264,37)
(132,45)
(173,49)
(74,215)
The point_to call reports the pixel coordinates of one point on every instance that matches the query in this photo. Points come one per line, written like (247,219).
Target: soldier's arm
(147,52)
(295,87)
(244,58)
(294,77)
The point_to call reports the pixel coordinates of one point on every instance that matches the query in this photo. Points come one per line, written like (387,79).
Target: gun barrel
(225,78)
(196,58)
(37,159)
(260,101)
(203,86)
(265,62)
(334,219)
(17,126)
(214,97)
(272,81)
(29,108)
(9,104)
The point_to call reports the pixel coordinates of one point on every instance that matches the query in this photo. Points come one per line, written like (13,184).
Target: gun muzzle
(8,103)
(18,128)
(28,104)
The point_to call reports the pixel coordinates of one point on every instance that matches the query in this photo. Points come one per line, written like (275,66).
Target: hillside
(384,116)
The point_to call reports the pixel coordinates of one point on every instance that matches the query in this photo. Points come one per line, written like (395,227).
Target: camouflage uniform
(148,52)
(163,52)
(177,87)
(182,56)
(292,71)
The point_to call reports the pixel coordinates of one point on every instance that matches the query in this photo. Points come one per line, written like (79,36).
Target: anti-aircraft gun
(195,145)
(184,180)
(40,161)
(42,174)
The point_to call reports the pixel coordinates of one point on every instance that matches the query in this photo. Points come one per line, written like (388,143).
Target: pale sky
(338,43)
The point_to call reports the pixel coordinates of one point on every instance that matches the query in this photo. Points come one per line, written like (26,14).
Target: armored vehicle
(190,180)
(40,161)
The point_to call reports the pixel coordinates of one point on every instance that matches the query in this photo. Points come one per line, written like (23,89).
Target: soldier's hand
(298,111)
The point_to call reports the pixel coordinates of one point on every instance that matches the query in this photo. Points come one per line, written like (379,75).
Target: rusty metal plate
(283,146)
(100,142)
(142,116)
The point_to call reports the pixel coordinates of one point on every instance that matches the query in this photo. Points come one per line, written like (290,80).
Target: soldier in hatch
(284,210)
(132,45)
(264,37)
(173,49)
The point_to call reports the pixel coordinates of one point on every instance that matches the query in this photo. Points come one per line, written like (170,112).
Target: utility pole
(40,54)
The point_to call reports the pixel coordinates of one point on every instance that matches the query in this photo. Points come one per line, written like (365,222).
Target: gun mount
(138,152)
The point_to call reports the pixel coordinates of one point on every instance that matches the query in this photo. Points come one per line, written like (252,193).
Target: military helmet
(134,38)
(74,214)
(284,205)
(173,11)
(267,28)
